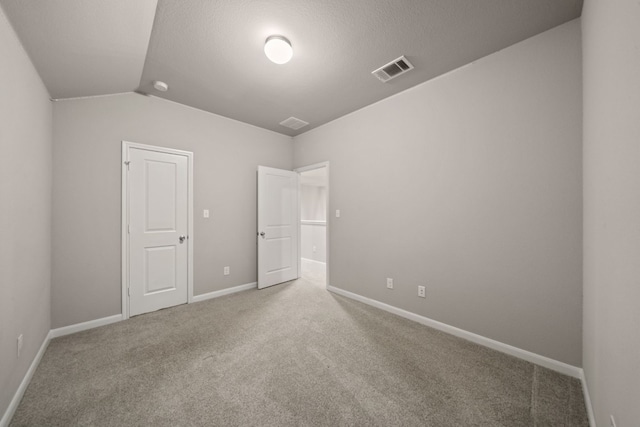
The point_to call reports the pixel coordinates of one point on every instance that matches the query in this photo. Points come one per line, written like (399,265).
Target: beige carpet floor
(290,355)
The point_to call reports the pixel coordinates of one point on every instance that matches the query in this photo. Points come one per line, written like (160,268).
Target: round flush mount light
(278,49)
(161,86)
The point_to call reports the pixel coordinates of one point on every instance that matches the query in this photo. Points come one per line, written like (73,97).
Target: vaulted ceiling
(210,52)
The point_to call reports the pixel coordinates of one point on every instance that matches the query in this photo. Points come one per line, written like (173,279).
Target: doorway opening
(314,225)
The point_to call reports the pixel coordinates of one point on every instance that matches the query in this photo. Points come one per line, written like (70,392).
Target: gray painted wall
(25,211)
(313,236)
(611,46)
(86,195)
(313,202)
(472,185)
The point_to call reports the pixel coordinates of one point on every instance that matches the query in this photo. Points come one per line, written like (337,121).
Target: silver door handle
(182,239)
(262,233)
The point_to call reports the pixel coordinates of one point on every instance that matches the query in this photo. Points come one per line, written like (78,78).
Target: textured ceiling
(210,51)
(84,47)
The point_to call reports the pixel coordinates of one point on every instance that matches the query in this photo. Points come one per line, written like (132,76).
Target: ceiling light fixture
(161,86)
(278,49)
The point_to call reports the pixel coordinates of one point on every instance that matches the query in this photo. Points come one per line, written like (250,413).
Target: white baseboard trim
(13,405)
(53,333)
(313,261)
(227,291)
(544,361)
(313,266)
(587,399)
(563,368)
(72,329)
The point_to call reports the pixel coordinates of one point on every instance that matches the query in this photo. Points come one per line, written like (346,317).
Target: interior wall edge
(611,208)
(25,217)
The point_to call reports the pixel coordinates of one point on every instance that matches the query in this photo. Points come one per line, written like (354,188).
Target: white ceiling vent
(393,69)
(294,123)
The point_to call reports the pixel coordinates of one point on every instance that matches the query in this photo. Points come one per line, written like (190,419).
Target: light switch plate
(205,213)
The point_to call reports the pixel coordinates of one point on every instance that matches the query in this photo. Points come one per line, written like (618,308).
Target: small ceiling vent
(393,69)
(294,123)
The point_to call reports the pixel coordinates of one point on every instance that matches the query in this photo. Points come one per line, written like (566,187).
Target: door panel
(277,226)
(160,269)
(161,195)
(277,250)
(158,217)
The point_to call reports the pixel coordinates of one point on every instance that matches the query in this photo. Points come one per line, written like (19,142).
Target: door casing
(126,145)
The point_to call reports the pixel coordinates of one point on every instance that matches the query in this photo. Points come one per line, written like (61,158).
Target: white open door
(157,201)
(277,226)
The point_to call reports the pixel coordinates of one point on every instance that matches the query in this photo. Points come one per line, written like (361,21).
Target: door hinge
(128,291)
(128,229)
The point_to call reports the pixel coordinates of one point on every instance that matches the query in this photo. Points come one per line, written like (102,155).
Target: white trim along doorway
(157,228)
(315,166)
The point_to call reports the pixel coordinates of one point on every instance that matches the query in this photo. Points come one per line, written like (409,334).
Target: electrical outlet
(227,271)
(337,213)
(19,344)
(422,292)
(612,421)
(314,249)
(389,283)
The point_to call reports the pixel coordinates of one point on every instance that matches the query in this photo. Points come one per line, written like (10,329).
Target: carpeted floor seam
(534,393)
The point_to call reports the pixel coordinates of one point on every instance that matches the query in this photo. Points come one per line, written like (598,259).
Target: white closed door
(158,229)
(277,226)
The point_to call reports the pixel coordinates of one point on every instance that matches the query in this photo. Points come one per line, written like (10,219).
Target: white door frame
(126,145)
(327,245)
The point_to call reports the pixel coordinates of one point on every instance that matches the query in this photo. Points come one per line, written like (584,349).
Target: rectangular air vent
(393,69)
(294,123)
